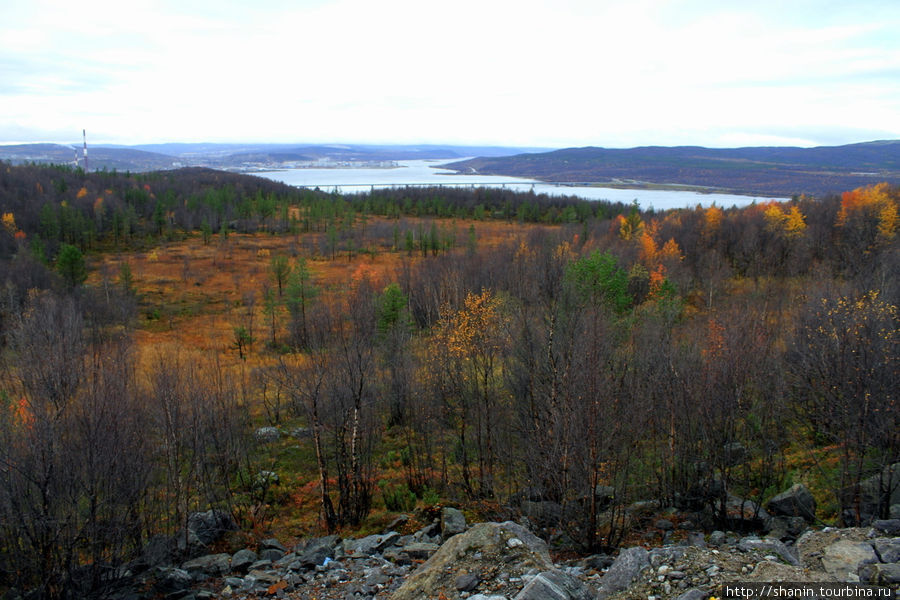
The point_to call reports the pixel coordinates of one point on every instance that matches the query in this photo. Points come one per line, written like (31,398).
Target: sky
(547,73)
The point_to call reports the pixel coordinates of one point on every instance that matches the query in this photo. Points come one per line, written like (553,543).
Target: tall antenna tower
(84,154)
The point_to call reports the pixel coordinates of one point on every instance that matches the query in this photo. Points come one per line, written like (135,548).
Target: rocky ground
(450,560)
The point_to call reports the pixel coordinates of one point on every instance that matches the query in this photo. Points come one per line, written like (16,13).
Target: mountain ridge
(769,170)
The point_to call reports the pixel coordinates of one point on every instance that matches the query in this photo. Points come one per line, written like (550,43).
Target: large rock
(769,546)
(797,501)
(623,571)
(452,522)
(555,585)
(887,549)
(242,560)
(482,547)
(842,559)
(371,544)
(211,564)
(204,528)
(880,574)
(314,552)
(172,580)
(888,526)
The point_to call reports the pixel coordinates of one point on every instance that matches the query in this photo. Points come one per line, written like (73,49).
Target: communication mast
(84,155)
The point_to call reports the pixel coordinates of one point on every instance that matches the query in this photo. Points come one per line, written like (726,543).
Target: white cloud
(530,72)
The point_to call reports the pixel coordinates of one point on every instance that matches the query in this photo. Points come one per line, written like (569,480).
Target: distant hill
(99,157)
(775,171)
(153,157)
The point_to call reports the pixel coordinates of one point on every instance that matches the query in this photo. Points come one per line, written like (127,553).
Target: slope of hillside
(763,170)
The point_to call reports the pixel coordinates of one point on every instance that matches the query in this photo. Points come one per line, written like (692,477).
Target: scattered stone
(452,522)
(696,538)
(467,582)
(397,523)
(370,545)
(420,550)
(717,538)
(664,524)
(173,580)
(267,435)
(888,526)
(555,585)
(769,545)
(623,571)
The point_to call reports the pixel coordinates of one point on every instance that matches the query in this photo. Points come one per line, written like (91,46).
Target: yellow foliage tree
(712,219)
(791,223)
(876,203)
(9,222)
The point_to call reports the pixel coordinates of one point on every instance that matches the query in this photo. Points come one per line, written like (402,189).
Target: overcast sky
(521,72)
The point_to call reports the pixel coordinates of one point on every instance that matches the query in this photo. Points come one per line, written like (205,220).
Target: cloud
(567,72)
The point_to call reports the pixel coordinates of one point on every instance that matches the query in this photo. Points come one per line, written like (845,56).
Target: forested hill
(771,171)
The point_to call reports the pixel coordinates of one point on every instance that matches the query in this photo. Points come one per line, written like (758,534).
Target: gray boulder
(172,580)
(483,545)
(316,550)
(879,574)
(242,559)
(769,546)
(204,528)
(271,554)
(797,501)
(888,550)
(272,543)
(717,538)
(888,526)
(211,564)
(555,585)
(452,522)
(267,435)
(842,559)
(785,528)
(623,571)
(466,582)
(420,550)
(370,545)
